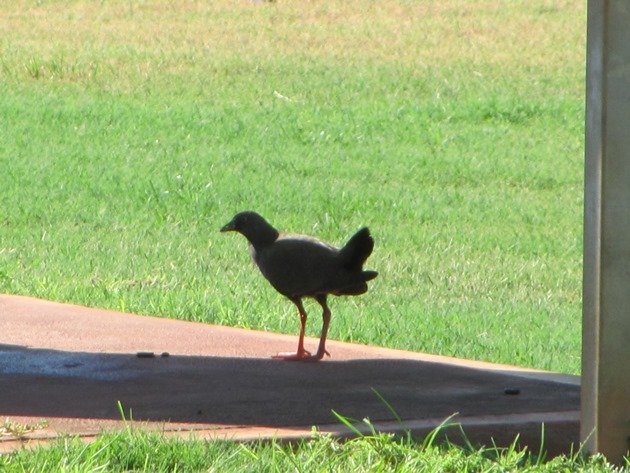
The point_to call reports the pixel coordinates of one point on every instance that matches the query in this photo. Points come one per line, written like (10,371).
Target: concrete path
(64,369)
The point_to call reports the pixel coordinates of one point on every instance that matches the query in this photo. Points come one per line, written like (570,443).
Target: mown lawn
(131,131)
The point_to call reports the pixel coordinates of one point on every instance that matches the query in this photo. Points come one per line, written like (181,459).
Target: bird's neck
(264,237)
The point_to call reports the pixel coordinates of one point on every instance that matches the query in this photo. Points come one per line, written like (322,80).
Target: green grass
(138,451)
(131,131)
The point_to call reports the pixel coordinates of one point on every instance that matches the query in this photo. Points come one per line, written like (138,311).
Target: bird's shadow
(258,391)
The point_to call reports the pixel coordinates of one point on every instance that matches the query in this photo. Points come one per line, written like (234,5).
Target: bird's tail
(369,275)
(357,250)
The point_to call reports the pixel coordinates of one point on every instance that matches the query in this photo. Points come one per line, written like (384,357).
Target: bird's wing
(300,266)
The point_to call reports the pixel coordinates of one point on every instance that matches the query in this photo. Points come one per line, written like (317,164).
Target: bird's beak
(228,227)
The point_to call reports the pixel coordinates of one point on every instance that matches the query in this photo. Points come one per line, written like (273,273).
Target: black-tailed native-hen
(299,266)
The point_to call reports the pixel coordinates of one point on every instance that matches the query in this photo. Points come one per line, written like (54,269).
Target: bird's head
(243,221)
(255,228)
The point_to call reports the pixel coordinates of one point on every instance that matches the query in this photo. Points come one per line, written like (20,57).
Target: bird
(300,266)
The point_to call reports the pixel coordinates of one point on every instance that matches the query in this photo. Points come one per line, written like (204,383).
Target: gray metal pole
(605,423)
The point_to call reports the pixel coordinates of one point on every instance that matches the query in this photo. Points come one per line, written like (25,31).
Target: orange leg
(321,350)
(301,353)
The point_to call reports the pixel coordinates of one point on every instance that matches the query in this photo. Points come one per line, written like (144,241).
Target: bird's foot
(319,355)
(293,356)
(316,357)
(300,356)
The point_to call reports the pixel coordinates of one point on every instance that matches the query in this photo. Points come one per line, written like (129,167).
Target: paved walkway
(70,366)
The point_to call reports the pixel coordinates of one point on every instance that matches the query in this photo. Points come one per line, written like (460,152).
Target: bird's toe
(293,356)
(303,356)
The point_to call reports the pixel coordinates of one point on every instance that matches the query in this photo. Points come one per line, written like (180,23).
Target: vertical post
(605,423)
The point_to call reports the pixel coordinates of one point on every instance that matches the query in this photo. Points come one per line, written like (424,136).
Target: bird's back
(298,266)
